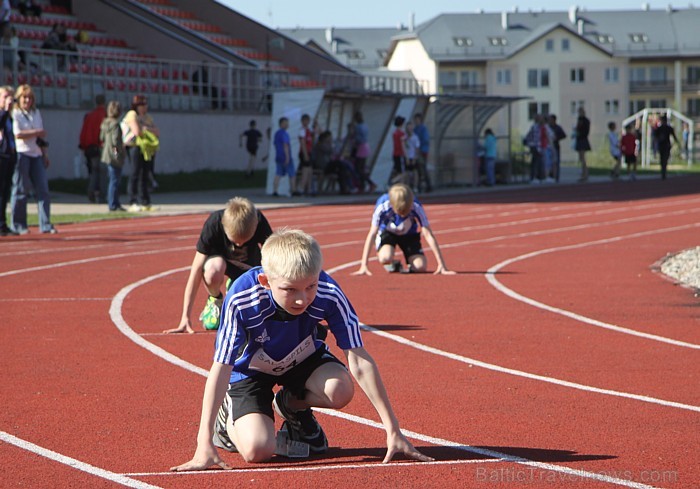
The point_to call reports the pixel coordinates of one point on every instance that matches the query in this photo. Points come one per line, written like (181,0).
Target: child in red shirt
(628,144)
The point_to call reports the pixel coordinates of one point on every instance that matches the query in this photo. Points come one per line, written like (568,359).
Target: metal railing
(69,79)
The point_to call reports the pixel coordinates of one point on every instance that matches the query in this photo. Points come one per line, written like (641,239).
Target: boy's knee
(341,393)
(257,449)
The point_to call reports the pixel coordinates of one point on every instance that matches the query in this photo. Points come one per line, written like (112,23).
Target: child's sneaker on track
(301,425)
(212,311)
(220,437)
(393,267)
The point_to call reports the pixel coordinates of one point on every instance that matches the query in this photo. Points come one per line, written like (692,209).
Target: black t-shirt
(252,138)
(663,135)
(213,240)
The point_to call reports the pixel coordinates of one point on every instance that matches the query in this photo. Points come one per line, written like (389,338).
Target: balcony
(652,86)
(475,89)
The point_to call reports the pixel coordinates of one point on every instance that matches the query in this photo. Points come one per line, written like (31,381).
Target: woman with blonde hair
(138,122)
(113,153)
(32,162)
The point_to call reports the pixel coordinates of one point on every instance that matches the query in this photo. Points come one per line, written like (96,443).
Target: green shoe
(211,313)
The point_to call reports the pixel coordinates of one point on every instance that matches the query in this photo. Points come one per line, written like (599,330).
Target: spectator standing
(399,151)
(421,130)
(664,133)
(490,157)
(583,128)
(362,151)
(5,13)
(283,158)
(559,134)
(113,153)
(540,139)
(8,155)
(412,149)
(9,42)
(90,145)
(628,145)
(615,152)
(306,145)
(32,162)
(252,142)
(137,124)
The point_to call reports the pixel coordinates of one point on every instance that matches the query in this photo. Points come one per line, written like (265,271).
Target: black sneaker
(393,267)
(300,425)
(6,231)
(220,437)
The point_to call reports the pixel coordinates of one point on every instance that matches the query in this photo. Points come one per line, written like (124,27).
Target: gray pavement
(208,201)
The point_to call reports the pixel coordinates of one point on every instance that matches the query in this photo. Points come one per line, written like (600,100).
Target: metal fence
(66,79)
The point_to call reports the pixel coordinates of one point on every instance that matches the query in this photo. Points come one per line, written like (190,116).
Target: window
(637,105)
(605,39)
(468,78)
(657,74)
(694,74)
(694,107)
(657,103)
(612,107)
(355,54)
(639,38)
(498,41)
(462,41)
(564,44)
(612,75)
(638,74)
(577,75)
(549,45)
(382,53)
(503,77)
(448,79)
(534,108)
(575,104)
(537,78)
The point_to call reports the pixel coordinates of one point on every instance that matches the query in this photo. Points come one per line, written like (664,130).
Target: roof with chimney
(629,33)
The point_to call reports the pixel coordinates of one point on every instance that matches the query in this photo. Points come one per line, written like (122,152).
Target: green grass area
(177,182)
(33,219)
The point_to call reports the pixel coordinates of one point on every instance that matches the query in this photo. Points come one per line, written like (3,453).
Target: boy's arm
(432,242)
(366,373)
(371,235)
(193,281)
(214,391)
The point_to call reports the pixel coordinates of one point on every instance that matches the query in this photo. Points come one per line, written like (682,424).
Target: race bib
(262,362)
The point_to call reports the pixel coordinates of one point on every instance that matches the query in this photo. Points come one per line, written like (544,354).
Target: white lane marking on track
(314,468)
(55,299)
(91,260)
(493,280)
(75,464)
(122,325)
(528,375)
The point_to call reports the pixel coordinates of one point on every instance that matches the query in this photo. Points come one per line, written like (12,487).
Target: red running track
(557,357)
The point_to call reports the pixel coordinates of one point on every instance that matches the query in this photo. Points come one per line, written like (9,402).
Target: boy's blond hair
(401,198)
(240,218)
(291,254)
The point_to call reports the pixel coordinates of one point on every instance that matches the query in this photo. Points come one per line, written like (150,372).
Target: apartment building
(612,63)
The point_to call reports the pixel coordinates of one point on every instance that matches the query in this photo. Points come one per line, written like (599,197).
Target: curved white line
(76,464)
(120,323)
(491,277)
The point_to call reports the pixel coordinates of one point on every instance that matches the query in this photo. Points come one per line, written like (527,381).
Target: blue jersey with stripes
(254,337)
(386,219)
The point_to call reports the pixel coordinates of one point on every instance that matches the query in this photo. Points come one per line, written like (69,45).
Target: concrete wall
(189,142)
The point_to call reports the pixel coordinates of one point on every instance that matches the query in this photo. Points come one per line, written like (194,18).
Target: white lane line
(73,463)
(56,299)
(528,375)
(123,326)
(90,260)
(491,277)
(315,468)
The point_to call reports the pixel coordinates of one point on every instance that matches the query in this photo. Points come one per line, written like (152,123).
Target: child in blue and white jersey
(399,220)
(269,336)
